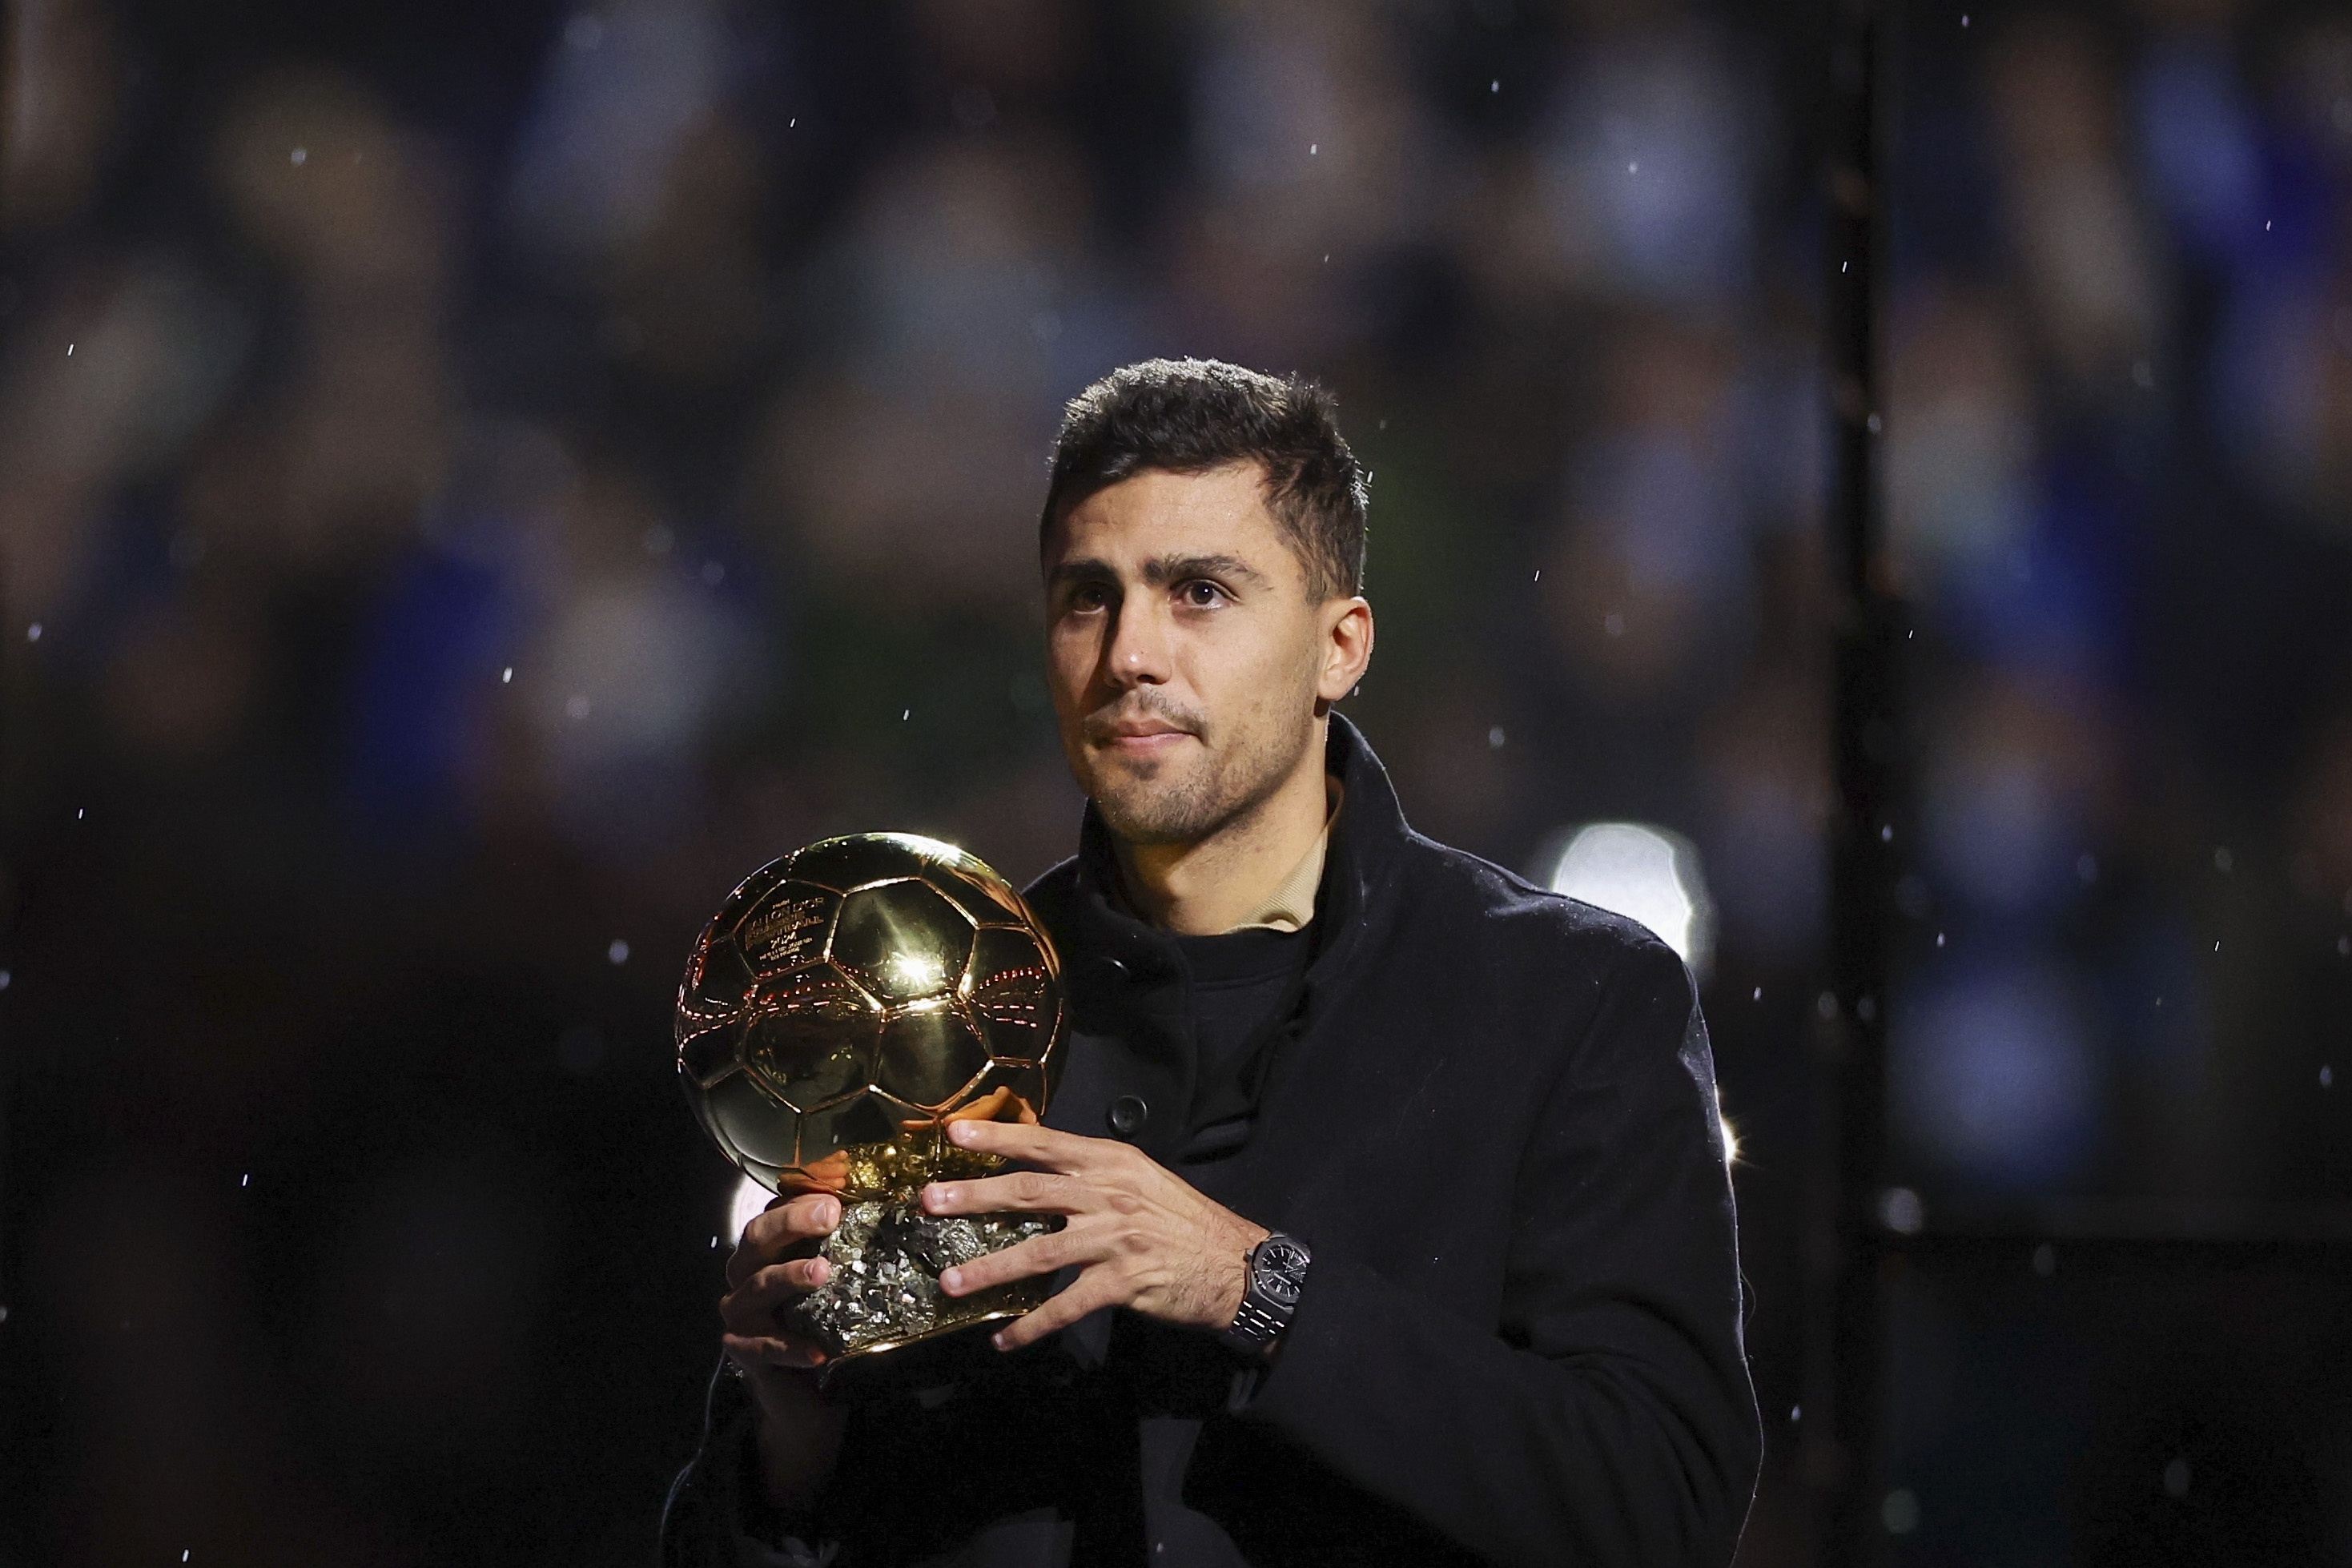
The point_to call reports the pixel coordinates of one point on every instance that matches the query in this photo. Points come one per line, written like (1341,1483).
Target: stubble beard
(1192,805)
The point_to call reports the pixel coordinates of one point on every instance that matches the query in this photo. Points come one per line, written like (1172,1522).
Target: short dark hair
(1192,416)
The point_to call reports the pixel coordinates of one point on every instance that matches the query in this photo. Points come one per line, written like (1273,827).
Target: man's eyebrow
(1162,570)
(1086,571)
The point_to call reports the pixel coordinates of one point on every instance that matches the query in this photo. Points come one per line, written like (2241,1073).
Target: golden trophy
(845,1004)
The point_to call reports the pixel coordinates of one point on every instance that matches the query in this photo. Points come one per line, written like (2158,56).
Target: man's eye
(1202,595)
(1092,596)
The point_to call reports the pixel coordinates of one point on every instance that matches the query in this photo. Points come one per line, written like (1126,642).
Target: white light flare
(917,973)
(749,1199)
(1645,874)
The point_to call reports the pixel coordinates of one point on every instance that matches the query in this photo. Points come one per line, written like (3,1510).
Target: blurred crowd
(475,481)
(2119,487)
(668,437)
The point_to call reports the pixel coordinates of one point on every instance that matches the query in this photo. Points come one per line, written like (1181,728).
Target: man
(1398,1221)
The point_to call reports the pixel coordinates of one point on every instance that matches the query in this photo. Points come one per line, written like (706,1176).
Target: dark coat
(1494,1121)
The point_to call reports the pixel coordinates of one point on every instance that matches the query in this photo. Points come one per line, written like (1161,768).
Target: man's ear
(1347,648)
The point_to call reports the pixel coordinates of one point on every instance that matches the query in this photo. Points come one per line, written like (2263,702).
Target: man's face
(1186,658)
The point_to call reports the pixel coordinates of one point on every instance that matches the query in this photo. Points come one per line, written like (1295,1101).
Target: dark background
(477,481)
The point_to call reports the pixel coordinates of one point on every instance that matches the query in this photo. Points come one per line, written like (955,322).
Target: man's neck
(1210,887)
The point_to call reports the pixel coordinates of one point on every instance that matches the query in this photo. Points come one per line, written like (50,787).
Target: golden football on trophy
(846,1003)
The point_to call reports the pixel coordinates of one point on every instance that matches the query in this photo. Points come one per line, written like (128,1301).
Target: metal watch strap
(1255,1326)
(1261,1317)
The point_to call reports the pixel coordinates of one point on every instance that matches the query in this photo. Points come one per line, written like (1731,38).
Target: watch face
(1281,1271)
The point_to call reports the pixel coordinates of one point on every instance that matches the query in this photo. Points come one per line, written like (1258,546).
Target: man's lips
(1145,735)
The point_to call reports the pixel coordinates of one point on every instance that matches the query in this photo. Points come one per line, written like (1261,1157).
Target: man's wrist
(1238,1290)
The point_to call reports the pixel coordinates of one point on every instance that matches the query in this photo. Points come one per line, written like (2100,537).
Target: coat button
(1127,1114)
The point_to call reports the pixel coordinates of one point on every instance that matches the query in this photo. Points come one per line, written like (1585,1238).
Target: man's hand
(1139,1236)
(771,1268)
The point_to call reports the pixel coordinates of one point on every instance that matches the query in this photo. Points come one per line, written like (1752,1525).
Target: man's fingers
(1085,1296)
(1031,1144)
(778,1228)
(1038,1255)
(751,1352)
(789,1220)
(752,1307)
(1023,1192)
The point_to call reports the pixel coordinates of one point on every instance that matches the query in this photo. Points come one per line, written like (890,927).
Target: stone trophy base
(887,1255)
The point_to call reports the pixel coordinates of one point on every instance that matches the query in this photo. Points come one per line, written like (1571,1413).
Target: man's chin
(1148,809)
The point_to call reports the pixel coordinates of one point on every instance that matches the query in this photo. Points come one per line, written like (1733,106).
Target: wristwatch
(1272,1280)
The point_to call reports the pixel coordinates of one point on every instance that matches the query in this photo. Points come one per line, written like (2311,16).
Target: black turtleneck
(1245,985)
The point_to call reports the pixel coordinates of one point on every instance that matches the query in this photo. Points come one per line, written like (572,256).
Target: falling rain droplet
(619,952)
(1312,149)
(1495,736)
(69,348)
(1495,86)
(1759,995)
(33,632)
(506,676)
(301,156)
(905,715)
(2327,1078)
(1939,938)
(246,1179)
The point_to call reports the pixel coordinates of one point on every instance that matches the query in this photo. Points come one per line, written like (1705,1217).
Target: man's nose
(1139,651)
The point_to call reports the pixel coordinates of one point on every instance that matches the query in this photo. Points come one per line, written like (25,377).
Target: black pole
(1845,1349)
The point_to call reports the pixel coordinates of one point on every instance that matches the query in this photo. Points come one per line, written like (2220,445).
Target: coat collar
(1128,983)
(1366,844)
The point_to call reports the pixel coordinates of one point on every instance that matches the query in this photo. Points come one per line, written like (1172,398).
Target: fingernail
(959,1130)
(996,1339)
(819,1270)
(952,1281)
(934,1196)
(829,1214)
